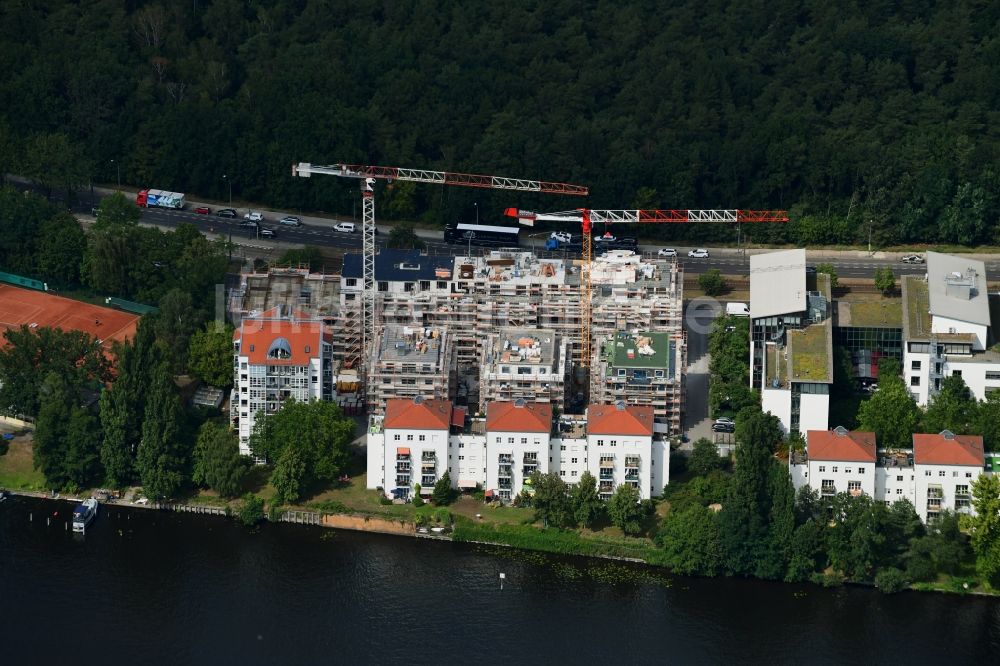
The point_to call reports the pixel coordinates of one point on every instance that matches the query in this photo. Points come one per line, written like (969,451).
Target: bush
(678,464)
(331,506)
(712,282)
(384,501)
(442,516)
(891,581)
(252,511)
(885,281)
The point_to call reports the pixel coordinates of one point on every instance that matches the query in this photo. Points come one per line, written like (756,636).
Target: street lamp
(229,220)
(476,204)
(118,172)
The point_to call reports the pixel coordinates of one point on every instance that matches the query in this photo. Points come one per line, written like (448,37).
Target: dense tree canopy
(863,117)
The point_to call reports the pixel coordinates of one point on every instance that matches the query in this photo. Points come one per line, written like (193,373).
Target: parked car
(667,252)
(247,223)
(265,232)
(912,259)
(344,227)
(203,210)
(606,238)
(700,253)
(225,212)
(290,221)
(723,427)
(561,236)
(254,216)
(725,419)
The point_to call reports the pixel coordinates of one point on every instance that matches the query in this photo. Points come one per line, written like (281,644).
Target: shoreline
(336,521)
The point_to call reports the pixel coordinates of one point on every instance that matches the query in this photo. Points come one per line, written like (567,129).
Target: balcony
(828,491)
(428,456)
(428,480)
(528,470)
(935,492)
(632,476)
(506,458)
(403,467)
(403,456)
(402,479)
(632,462)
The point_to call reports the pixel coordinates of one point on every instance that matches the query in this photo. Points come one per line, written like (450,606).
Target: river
(159,588)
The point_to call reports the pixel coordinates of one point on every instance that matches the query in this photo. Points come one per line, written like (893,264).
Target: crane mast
(369,174)
(587,217)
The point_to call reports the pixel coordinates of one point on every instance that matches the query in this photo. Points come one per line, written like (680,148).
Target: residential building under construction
(530,364)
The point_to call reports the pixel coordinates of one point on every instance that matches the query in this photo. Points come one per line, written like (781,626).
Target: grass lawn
(16,470)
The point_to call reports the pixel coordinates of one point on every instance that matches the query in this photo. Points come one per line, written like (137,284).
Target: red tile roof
(948,449)
(257,336)
(609,420)
(842,445)
(417,414)
(26,307)
(508,417)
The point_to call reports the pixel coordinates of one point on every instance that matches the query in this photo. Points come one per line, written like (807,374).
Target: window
(442,284)
(941,473)
(899,478)
(914,365)
(822,468)
(600,442)
(573,460)
(352,282)
(861,470)
(461,445)
(422,438)
(834,469)
(956,373)
(854,486)
(505,369)
(899,491)
(383,286)
(498,440)
(510,440)
(927,473)
(992,374)
(395,438)
(524,440)
(425,285)
(573,473)
(914,381)
(954,474)
(562,447)
(968,475)
(847,470)
(407,286)
(409,438)
(461,457)
(562,472)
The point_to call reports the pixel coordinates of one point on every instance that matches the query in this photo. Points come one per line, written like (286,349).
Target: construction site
(501,325)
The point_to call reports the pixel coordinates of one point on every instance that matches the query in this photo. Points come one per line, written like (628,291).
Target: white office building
(947,328)
(791,340)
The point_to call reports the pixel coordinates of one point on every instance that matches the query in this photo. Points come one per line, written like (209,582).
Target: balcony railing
(428,456)
(935,493)
(403,467)
(429,480)
(827,491)
(402,456)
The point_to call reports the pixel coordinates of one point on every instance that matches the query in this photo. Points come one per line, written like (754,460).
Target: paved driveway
(699,313)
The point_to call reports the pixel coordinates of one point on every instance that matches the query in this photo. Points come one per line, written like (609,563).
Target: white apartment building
(411,448)
(622,451)
(791,340)
(517,445)
(525,363)
(277,355)
(935,475)
(836,461)
(947,328)
(418,440)
(410,361)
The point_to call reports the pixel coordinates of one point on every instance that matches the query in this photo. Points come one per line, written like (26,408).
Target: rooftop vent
(962,286)
(419,400)
(519,402)
(948,434)
(409,267)
(620,406)
(840,430)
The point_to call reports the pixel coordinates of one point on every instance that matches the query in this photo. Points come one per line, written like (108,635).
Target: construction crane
(369,174)
(587,218)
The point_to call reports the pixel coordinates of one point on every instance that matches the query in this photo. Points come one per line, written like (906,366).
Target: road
(319,231)
(698,318)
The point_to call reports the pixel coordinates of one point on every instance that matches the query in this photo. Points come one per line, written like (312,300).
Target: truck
(159,199)
(737,309)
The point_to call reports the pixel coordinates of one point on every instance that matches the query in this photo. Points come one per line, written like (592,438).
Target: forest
(862,118)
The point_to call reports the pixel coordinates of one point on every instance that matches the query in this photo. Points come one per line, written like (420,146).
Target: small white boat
(84,514)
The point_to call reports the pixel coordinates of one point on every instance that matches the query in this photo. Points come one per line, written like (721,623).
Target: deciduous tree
(217,460)
(551,501)
(163,458)
(690,541)
(443,493)
(890,413)
(624,509)
(704,457)
(587,505)
(986,527)
(210,354)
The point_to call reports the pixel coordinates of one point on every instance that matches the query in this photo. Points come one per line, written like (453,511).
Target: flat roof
(39,309)
(809,351)
(535,346)
(916,308)
(957,288)
(884,312)
(411,344)
(777,283)
(641,350)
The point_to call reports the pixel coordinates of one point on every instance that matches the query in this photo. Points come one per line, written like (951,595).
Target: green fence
(23,281)
(129,306)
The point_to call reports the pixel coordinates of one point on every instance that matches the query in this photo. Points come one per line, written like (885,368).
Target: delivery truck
(159,199)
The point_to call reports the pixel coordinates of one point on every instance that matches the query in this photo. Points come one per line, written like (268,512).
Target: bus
(482,234)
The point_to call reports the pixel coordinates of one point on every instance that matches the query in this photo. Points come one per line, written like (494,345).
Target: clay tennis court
(39,309)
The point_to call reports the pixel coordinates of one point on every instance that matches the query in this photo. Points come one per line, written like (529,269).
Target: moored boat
(84,514)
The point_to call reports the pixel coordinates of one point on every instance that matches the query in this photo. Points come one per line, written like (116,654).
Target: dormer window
(280,349)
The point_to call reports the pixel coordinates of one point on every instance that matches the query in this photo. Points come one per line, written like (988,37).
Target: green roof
(880,313)
(916,308)
(617,349)
(809,352)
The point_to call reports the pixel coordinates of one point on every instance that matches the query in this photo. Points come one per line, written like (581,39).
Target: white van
(344,227)
(737,309)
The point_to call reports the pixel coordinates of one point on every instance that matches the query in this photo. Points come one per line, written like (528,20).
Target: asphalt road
(319,232)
